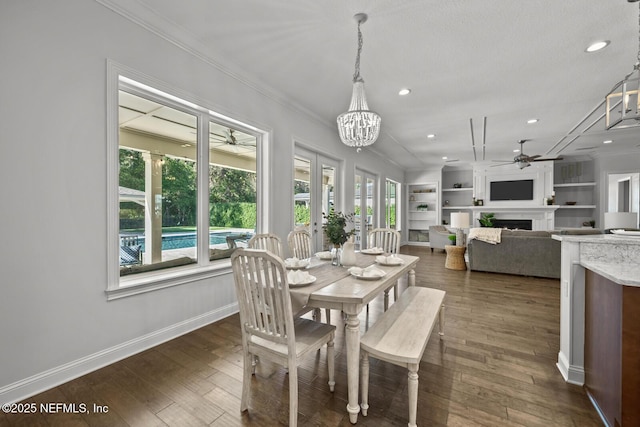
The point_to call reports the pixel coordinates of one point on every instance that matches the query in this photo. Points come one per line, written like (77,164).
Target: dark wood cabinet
(612,349)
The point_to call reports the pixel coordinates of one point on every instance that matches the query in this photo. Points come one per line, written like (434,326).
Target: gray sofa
(521,252)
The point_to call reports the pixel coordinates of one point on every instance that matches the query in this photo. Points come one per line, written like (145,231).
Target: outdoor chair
(269,330)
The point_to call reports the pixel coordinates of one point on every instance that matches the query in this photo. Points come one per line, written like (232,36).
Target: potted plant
(486,219)
(452,238)
(422,207)
(334,227)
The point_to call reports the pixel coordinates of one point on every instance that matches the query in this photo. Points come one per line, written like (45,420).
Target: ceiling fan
(230,138)
(522,160)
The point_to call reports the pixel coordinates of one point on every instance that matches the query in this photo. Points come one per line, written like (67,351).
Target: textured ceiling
(502,61)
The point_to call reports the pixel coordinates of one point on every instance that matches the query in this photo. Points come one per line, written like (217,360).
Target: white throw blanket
(486,234)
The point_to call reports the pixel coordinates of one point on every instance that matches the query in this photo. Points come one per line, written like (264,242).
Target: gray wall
(57,323)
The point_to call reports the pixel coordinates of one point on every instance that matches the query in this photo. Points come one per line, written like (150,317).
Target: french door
(365,189)
(314,192)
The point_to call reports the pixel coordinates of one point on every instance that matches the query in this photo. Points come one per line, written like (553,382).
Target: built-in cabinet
(457,192)
(423,211)
(575,194)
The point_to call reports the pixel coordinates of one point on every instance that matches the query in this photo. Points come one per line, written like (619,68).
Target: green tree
(231,185)
(179,191)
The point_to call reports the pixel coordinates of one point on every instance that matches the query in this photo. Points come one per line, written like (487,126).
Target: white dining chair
(267,241)
(269,329)
(300,247)
(389,240)
(300,244)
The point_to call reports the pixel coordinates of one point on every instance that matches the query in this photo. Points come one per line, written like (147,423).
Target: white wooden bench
(400,337)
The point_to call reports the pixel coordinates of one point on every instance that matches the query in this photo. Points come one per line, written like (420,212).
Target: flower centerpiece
(334,227)
(334,231)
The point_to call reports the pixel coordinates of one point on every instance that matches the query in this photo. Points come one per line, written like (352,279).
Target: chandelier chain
(638,57)
(356,74)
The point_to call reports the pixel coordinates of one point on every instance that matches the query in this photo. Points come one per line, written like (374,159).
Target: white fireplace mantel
(489,208)
(542,217)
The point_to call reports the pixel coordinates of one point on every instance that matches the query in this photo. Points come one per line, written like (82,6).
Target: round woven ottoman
(455,257)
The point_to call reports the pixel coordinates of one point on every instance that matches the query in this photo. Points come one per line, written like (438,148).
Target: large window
(187,187)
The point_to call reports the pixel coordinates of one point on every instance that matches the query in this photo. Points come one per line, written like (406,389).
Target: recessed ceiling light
(404,92)
(444,157)
(431,135)
(608,141)
(516,151)
(532,121)
(596,46)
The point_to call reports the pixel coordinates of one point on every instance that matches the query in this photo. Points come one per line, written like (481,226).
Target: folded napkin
(391,259)
(373,250)
(296,277)
(324,255)
(371,271)
(295,263)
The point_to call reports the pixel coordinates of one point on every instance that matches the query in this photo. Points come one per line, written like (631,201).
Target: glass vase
(336,255)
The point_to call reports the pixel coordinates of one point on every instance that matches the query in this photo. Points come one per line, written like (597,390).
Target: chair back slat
(300,244)
(263,295)
(267,241)
(385,238)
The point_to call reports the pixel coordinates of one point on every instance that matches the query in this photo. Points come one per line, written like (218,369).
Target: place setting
(390,260)
(368,273)
(372,251)
(299,278)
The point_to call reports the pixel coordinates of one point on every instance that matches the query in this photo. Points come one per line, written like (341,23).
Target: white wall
(56,320)
(623,163)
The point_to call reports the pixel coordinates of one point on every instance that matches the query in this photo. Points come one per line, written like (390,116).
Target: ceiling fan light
(623,102)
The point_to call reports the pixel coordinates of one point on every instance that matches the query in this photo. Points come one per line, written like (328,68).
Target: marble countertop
(614,239)
(622,274)
(613,256)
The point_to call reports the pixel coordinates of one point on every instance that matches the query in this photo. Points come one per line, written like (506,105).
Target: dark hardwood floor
(495,366)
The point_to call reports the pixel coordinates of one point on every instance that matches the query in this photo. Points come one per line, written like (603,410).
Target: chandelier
(359,127)
(623,102)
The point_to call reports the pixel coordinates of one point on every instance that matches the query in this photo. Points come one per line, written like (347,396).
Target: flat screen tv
(511,190)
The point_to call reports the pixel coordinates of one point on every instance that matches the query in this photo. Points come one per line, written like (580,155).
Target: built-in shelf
(576,206)
(457,207)
(419,220)
(575,184)
(457,189)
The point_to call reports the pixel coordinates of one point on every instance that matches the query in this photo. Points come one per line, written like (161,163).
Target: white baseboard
(46,380)
(571,374)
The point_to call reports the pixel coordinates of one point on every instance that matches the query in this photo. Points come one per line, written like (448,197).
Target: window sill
(149,282)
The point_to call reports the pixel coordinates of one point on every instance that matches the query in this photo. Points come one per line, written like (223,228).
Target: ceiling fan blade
(501,164)
(546,160)
(503,161)
(535,156)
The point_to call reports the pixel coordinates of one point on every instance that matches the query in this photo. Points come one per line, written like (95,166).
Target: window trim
(118,287)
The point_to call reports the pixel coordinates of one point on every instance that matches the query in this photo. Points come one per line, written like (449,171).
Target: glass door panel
(314,192)
(365,202)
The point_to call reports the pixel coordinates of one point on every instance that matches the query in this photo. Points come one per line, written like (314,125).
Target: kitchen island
(599,321)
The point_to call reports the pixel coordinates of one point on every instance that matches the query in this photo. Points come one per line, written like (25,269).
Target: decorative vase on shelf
(348,253)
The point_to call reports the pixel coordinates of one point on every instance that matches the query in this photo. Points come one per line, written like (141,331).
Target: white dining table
(335,288)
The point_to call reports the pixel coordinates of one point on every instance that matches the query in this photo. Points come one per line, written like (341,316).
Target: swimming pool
(188,240)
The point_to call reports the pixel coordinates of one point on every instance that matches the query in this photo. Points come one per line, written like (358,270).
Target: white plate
(359,276)
(626,233)
(372,252)
(310,281)
(324,255)
(299,266)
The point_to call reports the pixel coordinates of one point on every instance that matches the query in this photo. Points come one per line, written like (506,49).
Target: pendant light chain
(356,74)
(637,66)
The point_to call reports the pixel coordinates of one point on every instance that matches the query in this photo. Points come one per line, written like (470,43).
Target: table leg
(352,333)
(412,277)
